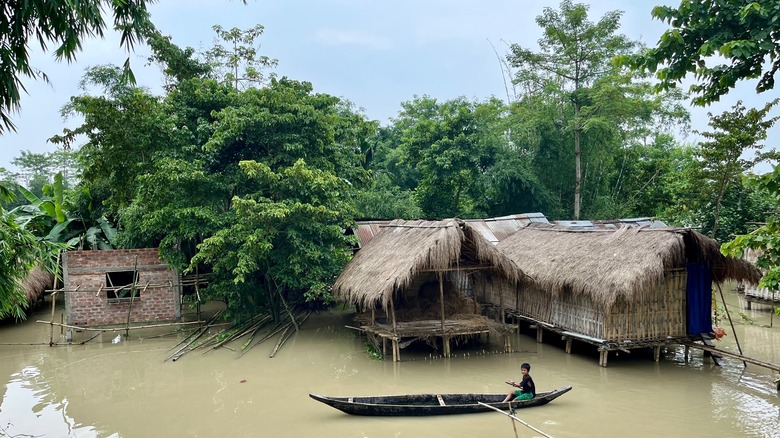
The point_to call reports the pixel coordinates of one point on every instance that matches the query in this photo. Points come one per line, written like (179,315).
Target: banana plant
(49,218)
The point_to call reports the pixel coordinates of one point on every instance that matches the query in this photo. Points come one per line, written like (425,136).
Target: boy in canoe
(527,389)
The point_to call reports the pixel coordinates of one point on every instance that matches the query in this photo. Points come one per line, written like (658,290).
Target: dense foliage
(254,179)
(63,23)
(720,42)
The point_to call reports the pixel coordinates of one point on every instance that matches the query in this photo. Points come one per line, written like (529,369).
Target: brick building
(106,287)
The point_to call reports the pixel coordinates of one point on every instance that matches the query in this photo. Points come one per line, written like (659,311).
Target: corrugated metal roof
(367,230)
(574,224)
(497,229)
(613,224)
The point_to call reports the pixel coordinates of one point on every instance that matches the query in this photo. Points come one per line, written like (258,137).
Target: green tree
(451,144)
(124,128)
(721,42)
(651,180)
(38,169)
(238,64)
(735,133)
(383,200)
(766,237)
(286,238)
(65,24)
(574,52)
(185,184)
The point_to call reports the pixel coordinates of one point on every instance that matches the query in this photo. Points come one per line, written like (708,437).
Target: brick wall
(86,270)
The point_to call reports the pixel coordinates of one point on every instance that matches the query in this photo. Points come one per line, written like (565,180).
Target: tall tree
(451,144)
(573,52)
(721,42)
(286,238)
(63,23)
(735,133)
(239,64)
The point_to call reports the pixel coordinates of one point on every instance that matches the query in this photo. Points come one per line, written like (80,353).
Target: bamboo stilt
(445,340)
(396,350)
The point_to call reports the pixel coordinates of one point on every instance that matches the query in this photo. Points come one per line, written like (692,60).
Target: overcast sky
(376,54)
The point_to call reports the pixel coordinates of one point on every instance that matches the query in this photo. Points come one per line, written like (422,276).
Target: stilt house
(634,287)
(416,280)
(753,293)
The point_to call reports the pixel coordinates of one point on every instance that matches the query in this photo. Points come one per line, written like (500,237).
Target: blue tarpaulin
(699,311)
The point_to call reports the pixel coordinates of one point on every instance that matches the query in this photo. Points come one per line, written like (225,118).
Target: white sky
(376,54)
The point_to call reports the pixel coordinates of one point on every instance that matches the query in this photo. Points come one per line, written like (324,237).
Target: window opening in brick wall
(122,286)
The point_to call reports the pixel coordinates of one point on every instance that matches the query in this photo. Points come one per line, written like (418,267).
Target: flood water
(102,389)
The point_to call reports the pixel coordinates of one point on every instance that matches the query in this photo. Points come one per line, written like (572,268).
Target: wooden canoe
(431,404)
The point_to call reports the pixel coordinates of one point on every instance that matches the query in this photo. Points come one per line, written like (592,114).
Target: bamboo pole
(287,308)
(54,302)
(515,419)
(396,350)
(254,327)
(93,337)
(730,322)
(114,329)
(445,340)
(501,304)
(132,297)
(51,331)
(198,332)
(287,335)
(735,356)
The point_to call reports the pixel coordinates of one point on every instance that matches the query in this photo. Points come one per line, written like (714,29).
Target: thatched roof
(403,249)
(36,283)
(609,264)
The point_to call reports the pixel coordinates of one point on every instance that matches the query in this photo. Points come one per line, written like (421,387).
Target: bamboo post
(396,350)
(445,340)
(501,304)
(132,297)
(736,339)
(53,302)
(476,306)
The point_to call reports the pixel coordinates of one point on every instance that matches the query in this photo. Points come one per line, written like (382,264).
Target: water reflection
(30,408)
(109,390)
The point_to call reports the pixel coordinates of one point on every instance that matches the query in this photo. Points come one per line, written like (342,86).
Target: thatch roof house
(36,283)
(753,293)
(612,287)
(418,270)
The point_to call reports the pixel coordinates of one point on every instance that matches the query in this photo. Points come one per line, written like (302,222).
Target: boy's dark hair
(526,366)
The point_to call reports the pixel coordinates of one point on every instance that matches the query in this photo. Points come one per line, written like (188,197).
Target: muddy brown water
(102,389)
